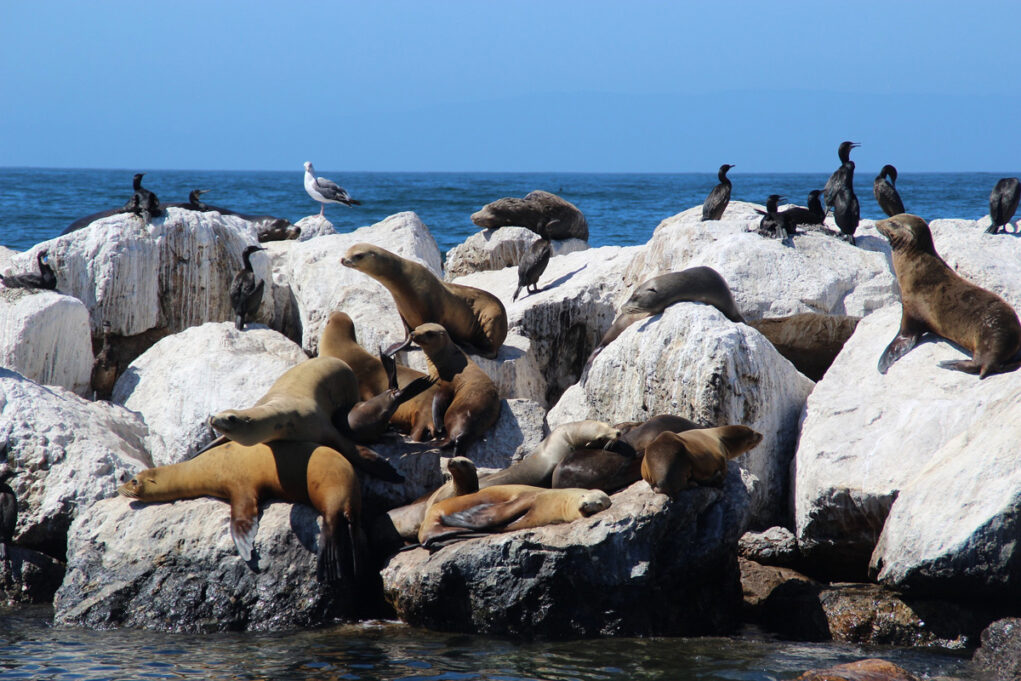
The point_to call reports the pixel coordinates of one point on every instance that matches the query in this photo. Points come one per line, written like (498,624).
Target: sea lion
(652,296)
(245,294)
(810,341)
(104,368)
(267,227)
(937,300)
(302,405)
(537,467)
(298,472)
(84,222)
(368,420)
(46,279)
(466,400)
(538,209)
(471,316)
(405,521)
(677,461)
(505,508)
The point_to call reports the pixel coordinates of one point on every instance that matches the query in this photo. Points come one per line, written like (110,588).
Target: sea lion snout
(594,502)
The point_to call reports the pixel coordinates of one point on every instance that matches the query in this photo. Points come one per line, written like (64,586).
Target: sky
(587,86)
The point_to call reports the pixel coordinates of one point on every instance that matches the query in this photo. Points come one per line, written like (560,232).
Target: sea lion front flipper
(244,525)
(221,440)
(332,561)
(898,347)
(441,401)
(487,515)
(390,367)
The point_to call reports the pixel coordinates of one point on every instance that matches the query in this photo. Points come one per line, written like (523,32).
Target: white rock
(314,226)
(70,452)
(284,316)
(183,379)
(519,430)
(5,257)
(693,362)
(495,249)
(819,273)
(45,337)
(992,261)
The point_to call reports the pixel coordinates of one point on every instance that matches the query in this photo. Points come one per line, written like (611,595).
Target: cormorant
(45,279)
(772,222)
(719,197)
(8,511)
(1003,203)
(886,191)
(846,212)
(143,202)
(796,215)
(842,176)
(325,191)
(245,294)
(104,369)
(533,263)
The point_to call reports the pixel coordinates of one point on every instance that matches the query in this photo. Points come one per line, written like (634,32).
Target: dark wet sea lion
(368,420)
(298,472)
(676,461)
(538,209)
(810,341)
(935,299)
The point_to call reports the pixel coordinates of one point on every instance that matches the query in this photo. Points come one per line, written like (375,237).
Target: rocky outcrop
(519,430)
(495,249)
(783,601)
(645,566)
(537,209)
(185,378)
(28,576)
(314,226)
(68,453)
(692,361)
(991,261)
(1000,652)
(775,546)
(45,336)
(173,567)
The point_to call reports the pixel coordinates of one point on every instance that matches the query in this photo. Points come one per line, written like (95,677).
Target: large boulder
(173,567)
(68,451)
(692,361)
(494,249)
(183,379)
(645,566)
(992,261)
(1000,652)
(45,336)
(538,208)
(314,226)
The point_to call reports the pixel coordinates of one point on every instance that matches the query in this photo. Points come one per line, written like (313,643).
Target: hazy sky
(516,86)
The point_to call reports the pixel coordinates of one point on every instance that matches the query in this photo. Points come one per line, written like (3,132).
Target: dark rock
(775,546)
(783,601)
(862,670)
(27,576)
(1000,652)
(538,209)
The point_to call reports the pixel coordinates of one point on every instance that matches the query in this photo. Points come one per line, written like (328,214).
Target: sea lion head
(739,439)
(367,258)
(593,434)
(241,427)
(430,337)
(648,297)
(593,501)
(339,328)
(462,471)
(907,233)
(144,486)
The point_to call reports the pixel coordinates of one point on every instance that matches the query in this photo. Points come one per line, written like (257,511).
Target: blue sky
(510,86)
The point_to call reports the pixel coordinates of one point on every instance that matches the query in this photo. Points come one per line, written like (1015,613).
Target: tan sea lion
(505,508)
(810,341)
(405,521)
(677,461)
(651,297)
(303,404)
(935,299)
(472,317)
(298,472)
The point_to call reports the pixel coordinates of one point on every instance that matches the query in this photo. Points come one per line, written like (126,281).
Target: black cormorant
(842,176)
(796,215)
(846,212)
(719,197)
(772,222)
(245,293)
(143,202)
(886,191)
(1003,203)
(533,264)
(45,279)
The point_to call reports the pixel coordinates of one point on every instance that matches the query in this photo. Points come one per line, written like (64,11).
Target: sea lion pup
(466,400)
(678,461)
(537,467)
(652,296)
(810,341)
(472,317)
(533,263)
(505,508)
(561,218)
(46,279)
(302,405)
(369,419)
(245,294)
(937,300)
(405,521)
(298,472)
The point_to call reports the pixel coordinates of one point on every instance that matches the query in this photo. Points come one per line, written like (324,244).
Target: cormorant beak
(855,144)
(203,191)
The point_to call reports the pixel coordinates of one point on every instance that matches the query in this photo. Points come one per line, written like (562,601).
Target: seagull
(325,191)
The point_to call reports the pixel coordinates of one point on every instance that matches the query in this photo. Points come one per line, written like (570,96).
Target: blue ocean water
(622,209)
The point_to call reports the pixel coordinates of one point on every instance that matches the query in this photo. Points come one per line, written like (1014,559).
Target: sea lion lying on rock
(538,211)
(677,461)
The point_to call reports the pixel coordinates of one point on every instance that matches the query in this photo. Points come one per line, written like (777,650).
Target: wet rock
(692,361)
(1000,652)
(775,546)
(314,226)
(173,567)
(495,249)
(645,566)
(29,576)
(536,209)
(783,601)
(862,670)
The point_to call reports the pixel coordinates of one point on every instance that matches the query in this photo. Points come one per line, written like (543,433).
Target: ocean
(622,209)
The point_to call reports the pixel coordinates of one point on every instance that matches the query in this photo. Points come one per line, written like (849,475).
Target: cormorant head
(814,195)
(136,182)
(844,151)
(889,171)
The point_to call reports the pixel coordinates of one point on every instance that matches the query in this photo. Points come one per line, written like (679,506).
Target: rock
(418,462)
(185,378)
(5,257)
(1000,652)
(538,207)
(862,670)
(954,527)
(783,601)
(29,576)
(45,336)
(285,317)
(775,546)
(865,436)
(599,576)
(69,452)
(320,284)
(992,261)
(173,567)
(768,278)
(314,226)
(519,430)
(495,249)
(693,362)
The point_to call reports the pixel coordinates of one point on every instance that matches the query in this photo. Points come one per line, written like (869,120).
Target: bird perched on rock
(245,293)
(773,222)
(104,369)
(719,197)
(325,191)
(842,176)
(1003,203)
(533,263)
(8,511)
(143,202)
(796,215)
(46,279)
(846,212)
(884,187)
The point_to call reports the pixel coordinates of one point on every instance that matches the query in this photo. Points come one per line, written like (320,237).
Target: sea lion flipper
(332,560)
(898,347)
(375,465)
(486,515)
(444,539)
(221,440)
(390,368)
(441,401)
(244,525)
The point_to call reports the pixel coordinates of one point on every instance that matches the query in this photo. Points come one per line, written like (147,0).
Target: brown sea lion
(466,401)
(302,405)
(369,420)
(538,210)
(677,461)
(651,297)
(935,299)
(505,508)
(298,472)
(810,341)
(472,317)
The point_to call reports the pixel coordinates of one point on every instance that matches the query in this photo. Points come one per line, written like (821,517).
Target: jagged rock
(775,546)
(45,336)
(861,670)
(578,299)
(537,208)
(314,226)
(992,261)
(320,284)
(185,378)
(28,576)
(769,278)
(495,249)
(69,452)
(865,436)
(1000,652)
(519,430)
(783,601)
(954,526)
(174,567)
(692,361)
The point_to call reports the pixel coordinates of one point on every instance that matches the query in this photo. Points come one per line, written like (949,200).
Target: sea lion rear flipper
(221,440)
(413,389)
(244,525)
(444,539)
(332,558)
(898,347)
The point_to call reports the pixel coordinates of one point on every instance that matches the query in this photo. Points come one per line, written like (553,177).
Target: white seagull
(325,191)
